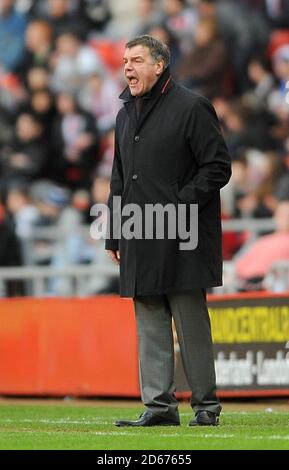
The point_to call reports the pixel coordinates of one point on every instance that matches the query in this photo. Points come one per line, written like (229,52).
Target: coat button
(134,177)
(137,138)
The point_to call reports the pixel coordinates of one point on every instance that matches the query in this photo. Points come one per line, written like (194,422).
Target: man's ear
(160,67)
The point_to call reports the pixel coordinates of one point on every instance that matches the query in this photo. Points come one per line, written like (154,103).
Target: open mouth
(132,81)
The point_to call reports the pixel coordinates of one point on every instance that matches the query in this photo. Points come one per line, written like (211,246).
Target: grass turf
(90,427)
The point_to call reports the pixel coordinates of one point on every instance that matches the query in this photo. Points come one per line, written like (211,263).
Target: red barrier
(79,347)
(88,347)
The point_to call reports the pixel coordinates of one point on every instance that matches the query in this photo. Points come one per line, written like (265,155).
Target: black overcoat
(174,153)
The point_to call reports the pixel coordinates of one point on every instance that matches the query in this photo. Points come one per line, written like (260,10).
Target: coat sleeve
(210,153)
(116,188)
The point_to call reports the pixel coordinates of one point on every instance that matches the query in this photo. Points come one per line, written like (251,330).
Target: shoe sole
(204,424)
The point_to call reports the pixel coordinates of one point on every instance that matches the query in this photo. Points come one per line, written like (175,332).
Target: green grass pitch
(75,426)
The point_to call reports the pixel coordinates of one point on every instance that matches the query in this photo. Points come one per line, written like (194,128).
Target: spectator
(277,11)
(282,187)
(51,201)
(96,13)
(203,68)
(38,45)
(6,127)
(26,156)
(246,129)
(253,265)
(62,20)
(12,93)
(37,79)
(240,28)
(72,63)
(149,15)
(12,30)
(55,210)
(278,102)
(81,201)
(40,8)
(259,72)
(100,97)
(23,211)
(42,106)
(10,255)
(105,165)
(180,21)
(237,187)
(76,142)
(250,192)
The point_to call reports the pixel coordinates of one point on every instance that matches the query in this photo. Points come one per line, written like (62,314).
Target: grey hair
(158,50)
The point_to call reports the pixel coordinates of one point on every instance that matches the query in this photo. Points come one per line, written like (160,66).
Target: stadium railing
(37,277)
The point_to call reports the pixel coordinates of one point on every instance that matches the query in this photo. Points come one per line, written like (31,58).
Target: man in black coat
(169,154)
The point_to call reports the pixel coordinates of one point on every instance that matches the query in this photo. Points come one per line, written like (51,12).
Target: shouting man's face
(140,71)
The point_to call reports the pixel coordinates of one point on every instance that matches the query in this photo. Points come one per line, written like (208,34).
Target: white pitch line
(195,436)
(96,421)
(131,434)
(173,435)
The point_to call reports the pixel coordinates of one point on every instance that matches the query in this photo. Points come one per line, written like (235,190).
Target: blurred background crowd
(60,78)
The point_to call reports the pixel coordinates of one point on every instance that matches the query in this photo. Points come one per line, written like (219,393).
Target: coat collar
(160,87)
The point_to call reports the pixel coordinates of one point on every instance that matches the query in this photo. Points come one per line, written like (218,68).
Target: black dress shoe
(148,419)
(205,418)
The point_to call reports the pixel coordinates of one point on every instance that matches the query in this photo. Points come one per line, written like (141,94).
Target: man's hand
(115,256)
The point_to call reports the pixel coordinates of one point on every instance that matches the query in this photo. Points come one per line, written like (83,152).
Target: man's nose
(128,67)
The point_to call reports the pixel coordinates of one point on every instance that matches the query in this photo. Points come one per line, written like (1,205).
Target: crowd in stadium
(60,78)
